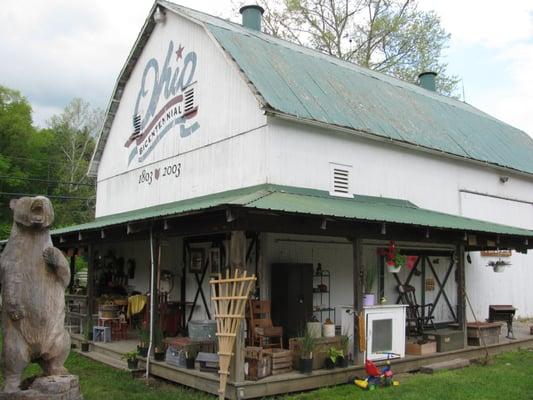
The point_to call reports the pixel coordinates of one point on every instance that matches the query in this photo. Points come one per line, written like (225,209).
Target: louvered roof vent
(341,180)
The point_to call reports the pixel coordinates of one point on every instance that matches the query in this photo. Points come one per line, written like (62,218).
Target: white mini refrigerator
(385,331)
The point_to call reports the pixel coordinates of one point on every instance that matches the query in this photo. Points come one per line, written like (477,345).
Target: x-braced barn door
(433,275)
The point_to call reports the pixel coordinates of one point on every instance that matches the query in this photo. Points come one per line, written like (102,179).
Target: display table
(119,329)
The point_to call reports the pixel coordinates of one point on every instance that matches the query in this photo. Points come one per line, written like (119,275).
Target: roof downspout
(152,302)
(251,16)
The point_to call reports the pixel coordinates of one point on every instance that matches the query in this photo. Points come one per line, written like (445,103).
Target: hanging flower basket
(393,268)
(395,261)
(498,266)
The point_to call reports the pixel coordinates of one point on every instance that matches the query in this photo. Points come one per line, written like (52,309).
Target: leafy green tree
(75,130)
(390,36)
(51,161)
(15,131)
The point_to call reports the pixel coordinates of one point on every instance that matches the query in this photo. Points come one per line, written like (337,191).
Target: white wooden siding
(220,155)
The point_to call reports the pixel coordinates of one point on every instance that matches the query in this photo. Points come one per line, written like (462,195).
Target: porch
(176,250)
(110,354)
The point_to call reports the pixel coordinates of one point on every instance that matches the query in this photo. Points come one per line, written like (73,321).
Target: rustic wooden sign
(496,253)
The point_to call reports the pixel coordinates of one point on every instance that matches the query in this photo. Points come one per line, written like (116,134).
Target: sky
(55,50)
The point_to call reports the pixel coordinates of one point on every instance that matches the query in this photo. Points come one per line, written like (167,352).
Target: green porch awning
(309,202)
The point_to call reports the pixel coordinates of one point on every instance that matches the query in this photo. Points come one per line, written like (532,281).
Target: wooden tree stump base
(55,387)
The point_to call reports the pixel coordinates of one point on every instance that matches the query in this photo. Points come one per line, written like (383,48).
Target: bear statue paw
(49,255)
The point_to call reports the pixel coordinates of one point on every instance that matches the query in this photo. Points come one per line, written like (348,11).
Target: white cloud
(504,32)
(55,50)
(481,22)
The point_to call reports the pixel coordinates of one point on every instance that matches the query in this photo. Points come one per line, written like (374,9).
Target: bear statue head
(33,212)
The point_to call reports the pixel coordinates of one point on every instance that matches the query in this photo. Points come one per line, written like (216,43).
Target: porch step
(107,360)
(445,365)
(105,350)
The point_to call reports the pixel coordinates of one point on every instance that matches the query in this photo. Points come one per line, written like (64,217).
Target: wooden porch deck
(109,353)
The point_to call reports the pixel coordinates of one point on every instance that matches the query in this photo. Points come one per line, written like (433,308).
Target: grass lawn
(508,377)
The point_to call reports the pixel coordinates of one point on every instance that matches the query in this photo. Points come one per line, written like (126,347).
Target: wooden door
(292,297)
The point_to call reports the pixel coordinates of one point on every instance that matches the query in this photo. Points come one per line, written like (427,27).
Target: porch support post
(90,286)
(72,271)
(357,297)
(238,261)
(461,290)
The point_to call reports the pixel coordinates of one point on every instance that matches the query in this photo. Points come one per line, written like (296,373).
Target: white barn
(217,131)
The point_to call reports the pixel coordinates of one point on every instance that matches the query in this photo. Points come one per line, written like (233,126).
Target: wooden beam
(238,261)
(358,272)
(91,259)
(461,290)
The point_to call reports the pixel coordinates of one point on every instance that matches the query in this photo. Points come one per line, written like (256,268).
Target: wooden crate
(281,360)
(257,363)
(416,349)
(319,355)
(489,331)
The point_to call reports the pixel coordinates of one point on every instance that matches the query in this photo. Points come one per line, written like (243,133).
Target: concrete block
(445,365)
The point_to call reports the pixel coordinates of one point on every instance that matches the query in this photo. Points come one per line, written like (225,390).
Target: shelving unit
(321,296)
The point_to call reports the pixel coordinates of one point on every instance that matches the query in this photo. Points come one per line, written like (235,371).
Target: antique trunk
(447,339)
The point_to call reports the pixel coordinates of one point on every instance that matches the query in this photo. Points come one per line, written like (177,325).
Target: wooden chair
(417,316)
(261,331)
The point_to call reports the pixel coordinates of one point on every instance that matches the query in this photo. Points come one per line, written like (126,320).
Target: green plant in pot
(191,351)
(159,345)
(342,359)
(131,358)
(332,357)
(369,276)
(144,341)
(307,345)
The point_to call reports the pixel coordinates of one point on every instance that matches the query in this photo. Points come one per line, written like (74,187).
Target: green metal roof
(310,85)
(310,202)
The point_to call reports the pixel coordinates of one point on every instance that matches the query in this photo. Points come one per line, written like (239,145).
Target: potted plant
(159,345)
(131,358)
(395,260)
(342,359)
(369,298)
(332,356)
(190,355)
(144,340)
(307,347)
(498,266)
(328,329)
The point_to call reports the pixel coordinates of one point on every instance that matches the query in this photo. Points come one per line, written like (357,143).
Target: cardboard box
(415,349)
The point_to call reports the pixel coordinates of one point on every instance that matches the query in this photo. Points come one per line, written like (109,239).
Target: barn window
(189,99)
(341,180)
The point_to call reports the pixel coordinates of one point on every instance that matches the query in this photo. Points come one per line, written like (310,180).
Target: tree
(51,162)
(15,167)
(75,131)
(390,36)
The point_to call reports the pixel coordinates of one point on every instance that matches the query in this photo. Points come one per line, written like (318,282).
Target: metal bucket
(202,330)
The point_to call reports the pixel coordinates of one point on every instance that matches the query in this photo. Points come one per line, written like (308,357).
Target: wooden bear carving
(34,275)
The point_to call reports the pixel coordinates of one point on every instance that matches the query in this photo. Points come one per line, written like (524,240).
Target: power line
(51,196)
(45,180)
(41,160)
